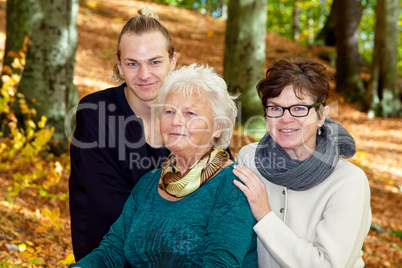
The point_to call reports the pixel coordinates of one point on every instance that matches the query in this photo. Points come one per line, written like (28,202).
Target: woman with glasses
(312,207)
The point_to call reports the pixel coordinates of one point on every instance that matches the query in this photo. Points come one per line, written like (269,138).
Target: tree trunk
(310,31)
(245,54)
(327,34)
(384,99)
(296,20)
(47,80)
(18,27)
(349,82)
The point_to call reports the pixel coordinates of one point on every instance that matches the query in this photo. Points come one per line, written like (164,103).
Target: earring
(319,131)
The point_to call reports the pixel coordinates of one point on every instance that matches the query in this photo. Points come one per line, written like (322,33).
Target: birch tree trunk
(384,97)
(245,53)
(47,80)
(296,20)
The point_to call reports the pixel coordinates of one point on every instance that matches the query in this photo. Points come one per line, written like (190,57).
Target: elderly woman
(189,213)
(312,208)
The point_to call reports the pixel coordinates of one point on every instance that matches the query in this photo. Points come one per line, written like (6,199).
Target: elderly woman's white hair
(196,77)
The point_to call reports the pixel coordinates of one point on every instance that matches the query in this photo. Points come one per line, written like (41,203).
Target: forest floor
(198,39)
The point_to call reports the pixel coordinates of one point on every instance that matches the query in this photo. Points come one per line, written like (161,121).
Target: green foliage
(367,34)
(367,27)
(213,7)
(312,17)
(397,233)
(6,264)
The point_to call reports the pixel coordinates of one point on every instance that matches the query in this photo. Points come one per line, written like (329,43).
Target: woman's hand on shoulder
(254,189)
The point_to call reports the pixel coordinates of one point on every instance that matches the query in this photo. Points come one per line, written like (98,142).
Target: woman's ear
(324,114)
(218,131)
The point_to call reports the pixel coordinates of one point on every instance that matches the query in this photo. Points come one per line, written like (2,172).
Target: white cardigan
(321,227)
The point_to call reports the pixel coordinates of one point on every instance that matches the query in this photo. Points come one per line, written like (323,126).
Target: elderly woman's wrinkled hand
(254,189)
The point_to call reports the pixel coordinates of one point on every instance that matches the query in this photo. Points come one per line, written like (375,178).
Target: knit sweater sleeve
(110,253)
(339,235)
(230,235)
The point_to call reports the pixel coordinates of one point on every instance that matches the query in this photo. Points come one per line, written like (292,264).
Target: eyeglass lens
(297,110)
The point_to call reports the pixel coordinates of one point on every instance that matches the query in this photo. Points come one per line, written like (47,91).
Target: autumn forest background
(34,212)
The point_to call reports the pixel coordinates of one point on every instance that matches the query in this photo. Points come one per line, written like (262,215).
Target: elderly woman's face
(187,124)
(296,135)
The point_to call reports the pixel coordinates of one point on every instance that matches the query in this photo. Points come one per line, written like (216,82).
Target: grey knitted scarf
(277,167)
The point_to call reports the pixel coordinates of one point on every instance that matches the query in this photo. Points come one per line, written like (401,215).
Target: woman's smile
(288,130)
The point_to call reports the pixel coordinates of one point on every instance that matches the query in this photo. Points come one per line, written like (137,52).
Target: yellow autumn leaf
(92,4)
(58,225)
(30,123)
(11,91)
(68,260)
(41,124)
(46,213)
(25,254)
(18,145)
(33,112)
(16,64)
(58,167)
(55,215)
(30,133)
(15,77)
(22,247)
(5,78)
(38,249)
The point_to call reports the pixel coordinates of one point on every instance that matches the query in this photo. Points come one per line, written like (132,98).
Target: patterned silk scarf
(176,184)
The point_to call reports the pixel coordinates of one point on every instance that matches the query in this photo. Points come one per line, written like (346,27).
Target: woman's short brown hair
(307,78)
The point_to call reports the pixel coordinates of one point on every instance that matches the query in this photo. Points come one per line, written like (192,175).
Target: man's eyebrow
(151,59)
(155,58)
(129,59)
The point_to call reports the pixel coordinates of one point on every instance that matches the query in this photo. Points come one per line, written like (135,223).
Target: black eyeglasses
(274,111)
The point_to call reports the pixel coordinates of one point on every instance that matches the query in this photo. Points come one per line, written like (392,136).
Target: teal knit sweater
(212,227)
